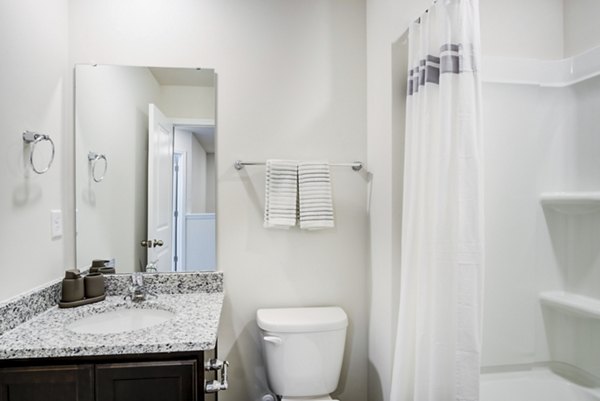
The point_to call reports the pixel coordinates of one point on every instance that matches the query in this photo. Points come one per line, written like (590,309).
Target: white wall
(538,140)
(35,86)
(197,172)
(581,28)
(112,119)
(574,264)
(211,187)
(527,129)
(522,28)
(183,144)
(291,84)
(198,177)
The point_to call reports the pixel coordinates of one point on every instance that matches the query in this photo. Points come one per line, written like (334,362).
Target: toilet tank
(303,349)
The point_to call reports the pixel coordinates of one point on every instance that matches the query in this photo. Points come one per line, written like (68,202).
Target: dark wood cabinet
(147,381)
(48,383)
(144,377)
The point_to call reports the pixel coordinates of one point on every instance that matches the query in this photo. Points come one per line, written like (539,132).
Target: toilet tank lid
(301,320)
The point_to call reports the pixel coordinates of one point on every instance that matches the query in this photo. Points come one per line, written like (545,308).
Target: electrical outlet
(56,223)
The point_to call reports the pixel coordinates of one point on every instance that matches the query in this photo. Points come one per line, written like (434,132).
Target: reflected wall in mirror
(145,168)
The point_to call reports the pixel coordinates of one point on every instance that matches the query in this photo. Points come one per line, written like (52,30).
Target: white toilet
(303,350)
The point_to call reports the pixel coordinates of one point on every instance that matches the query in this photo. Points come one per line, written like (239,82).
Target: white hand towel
(281,193)
(316,205)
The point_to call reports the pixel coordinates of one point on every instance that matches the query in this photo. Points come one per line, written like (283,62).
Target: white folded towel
(314,186)
(281,193)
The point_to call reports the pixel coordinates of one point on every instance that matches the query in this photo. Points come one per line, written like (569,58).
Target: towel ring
(93,157)
(33,138)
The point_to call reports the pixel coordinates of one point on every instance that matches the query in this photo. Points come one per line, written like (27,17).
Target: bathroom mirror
(145,168)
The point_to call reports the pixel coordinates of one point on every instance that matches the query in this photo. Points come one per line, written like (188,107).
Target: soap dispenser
(104,266)
(72,286)
(78,290)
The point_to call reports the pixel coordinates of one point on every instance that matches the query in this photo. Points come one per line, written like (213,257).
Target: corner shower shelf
(545,73)
(574,303)
(572,202)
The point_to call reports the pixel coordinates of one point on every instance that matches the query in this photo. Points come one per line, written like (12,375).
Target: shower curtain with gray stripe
(438,344)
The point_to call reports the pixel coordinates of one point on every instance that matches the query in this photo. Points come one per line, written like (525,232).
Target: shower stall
(541,123)
(541,316)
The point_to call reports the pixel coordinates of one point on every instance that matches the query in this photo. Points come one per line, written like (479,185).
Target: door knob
(148,243)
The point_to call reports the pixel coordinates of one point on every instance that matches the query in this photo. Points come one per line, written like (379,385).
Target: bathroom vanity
(103,351)
(161,348)
(176,376)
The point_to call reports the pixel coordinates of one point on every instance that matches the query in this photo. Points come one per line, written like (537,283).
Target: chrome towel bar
(356,166)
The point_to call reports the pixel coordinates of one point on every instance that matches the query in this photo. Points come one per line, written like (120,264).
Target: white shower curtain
(437,354)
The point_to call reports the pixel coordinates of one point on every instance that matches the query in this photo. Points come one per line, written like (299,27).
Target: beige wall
(34,78)
(582,31)
(291,85)
(177,101)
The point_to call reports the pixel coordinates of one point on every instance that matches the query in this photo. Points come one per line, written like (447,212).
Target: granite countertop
(193,328)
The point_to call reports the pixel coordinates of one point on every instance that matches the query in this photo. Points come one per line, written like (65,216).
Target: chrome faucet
(151,266)
(137,290)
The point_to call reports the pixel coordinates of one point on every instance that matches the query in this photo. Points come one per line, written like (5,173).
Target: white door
(160,184)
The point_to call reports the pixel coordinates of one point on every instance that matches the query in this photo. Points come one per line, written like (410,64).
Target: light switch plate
(56,223)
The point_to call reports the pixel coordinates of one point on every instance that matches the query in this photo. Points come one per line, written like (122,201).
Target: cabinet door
(47,383)
(147,381)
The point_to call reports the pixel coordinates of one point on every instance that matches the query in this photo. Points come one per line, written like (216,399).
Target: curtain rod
(356,166)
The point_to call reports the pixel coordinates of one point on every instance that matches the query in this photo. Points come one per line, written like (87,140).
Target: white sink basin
(119,321)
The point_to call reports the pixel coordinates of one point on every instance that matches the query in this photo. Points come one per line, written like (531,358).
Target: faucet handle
(151,266)
(137,279)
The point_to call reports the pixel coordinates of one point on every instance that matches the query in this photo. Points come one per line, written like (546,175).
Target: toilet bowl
(303,350)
